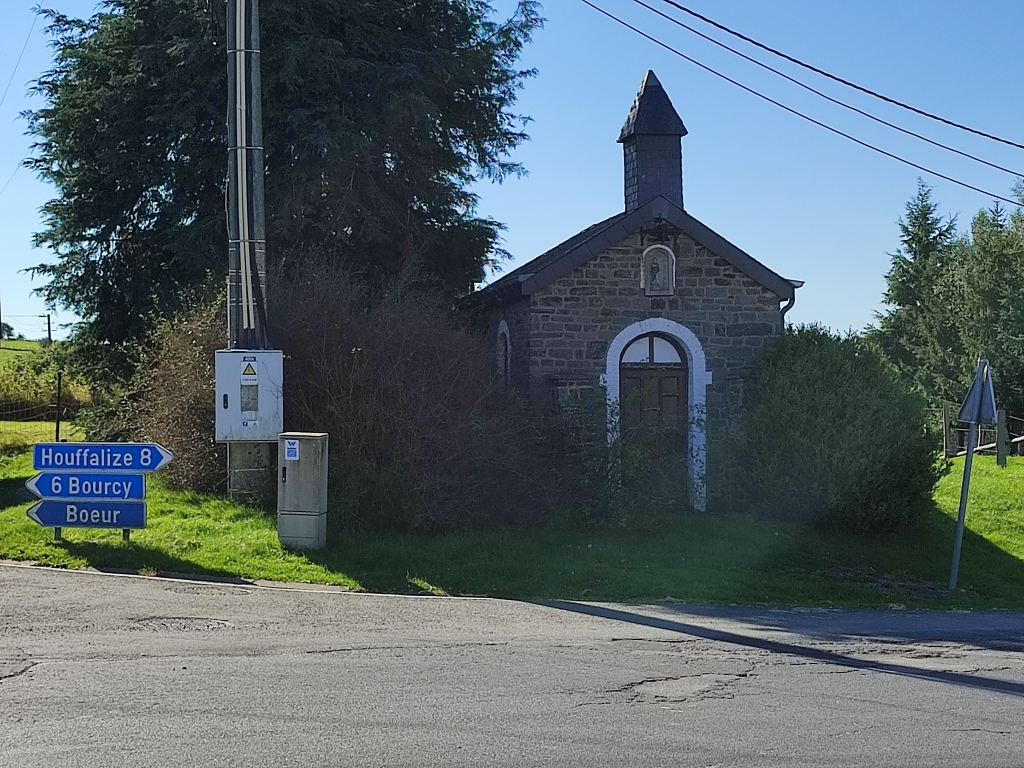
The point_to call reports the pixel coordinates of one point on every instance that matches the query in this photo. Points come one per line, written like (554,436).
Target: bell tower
(652,150)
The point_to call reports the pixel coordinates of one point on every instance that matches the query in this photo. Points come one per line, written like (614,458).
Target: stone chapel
(663,312)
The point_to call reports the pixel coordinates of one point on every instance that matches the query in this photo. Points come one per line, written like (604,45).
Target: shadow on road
(790,649)
(108,557)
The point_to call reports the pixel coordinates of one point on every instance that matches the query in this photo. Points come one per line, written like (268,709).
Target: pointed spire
(652,147)
(652,113)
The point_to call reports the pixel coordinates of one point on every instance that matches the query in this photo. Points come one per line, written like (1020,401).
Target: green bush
(832,434)
(170,399)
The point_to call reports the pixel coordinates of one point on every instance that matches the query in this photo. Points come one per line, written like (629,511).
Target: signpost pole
(964,486)
(979,408)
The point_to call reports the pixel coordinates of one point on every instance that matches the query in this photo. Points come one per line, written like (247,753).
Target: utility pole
(248,373)
(247,245)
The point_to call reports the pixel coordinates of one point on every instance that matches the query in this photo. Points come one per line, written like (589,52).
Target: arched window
(503,354)
(651,349)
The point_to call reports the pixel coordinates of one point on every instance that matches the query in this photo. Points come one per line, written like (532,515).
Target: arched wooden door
(653,380)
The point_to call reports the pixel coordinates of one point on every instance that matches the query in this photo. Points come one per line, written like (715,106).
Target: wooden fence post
(947,448)
(1001,438)
(56,428)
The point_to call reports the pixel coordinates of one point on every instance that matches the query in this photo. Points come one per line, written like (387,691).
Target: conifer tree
(378,116)
(953,298)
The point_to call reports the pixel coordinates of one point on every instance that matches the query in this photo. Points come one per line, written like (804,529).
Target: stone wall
(572,321)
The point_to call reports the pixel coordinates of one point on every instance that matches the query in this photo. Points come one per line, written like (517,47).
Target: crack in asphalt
(19,672)
(792,649)
(357,648)
(982,730)
(661,641)
(718,683)
(177,624)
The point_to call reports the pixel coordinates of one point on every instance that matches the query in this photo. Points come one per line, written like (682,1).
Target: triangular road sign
(980,404)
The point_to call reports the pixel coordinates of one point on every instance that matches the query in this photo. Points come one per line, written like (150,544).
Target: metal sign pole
(972,435)
(979,408)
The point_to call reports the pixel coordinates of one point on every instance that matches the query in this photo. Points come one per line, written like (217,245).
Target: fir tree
(378,115)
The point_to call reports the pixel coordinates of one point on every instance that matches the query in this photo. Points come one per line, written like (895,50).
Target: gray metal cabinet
(302,489)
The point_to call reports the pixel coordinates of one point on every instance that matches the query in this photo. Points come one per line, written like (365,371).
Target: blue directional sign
(89,514)
(105,457)
(93,485)
(89,485)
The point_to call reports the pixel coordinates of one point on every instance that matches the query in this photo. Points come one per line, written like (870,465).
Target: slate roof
(652,113)
(558,262)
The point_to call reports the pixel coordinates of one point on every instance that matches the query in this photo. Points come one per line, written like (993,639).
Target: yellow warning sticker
(249,381)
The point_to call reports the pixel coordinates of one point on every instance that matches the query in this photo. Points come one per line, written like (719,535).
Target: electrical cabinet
(249,395)
(302,489)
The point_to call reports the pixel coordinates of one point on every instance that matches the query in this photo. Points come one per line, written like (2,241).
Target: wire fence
(1005,438)
(23,423)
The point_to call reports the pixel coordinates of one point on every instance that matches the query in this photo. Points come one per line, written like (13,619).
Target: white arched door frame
(698,381)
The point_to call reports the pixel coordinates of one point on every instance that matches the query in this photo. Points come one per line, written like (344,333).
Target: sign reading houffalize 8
(93,485)
(138,457)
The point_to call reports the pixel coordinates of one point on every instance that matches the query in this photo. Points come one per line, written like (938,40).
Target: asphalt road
(112,671)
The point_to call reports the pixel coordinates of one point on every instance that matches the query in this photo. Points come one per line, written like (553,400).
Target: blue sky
(809,204)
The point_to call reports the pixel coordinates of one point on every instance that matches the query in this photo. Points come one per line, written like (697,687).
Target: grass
(11,348)
(16,436)
(187,532)
(699,559)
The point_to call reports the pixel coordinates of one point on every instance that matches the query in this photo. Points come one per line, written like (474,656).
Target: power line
(820,124)
(31,29)
(837,79)
(16,169)
(35,18)
(826,96)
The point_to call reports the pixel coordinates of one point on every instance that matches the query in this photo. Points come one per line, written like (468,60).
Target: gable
(558,262)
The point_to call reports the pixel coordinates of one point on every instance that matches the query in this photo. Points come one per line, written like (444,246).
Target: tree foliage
(954,297)
(378,115)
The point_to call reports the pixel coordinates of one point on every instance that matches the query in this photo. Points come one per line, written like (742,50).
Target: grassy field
(10,349)
(698,559)
(16,436)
